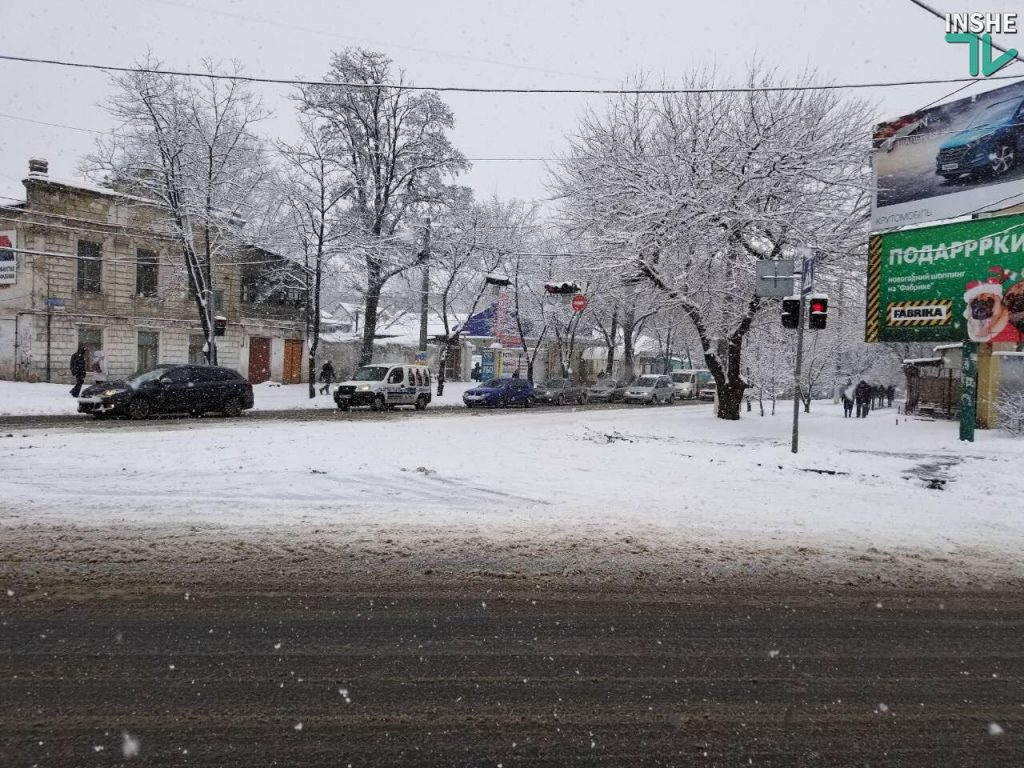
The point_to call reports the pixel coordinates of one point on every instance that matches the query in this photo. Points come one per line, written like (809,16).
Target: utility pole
(425,287)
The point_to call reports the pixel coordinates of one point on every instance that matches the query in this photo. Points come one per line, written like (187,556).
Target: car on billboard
(989,145)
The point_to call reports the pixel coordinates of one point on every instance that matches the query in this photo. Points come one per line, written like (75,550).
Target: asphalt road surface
(487,672)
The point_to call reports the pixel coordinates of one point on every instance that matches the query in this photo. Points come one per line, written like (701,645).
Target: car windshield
(995,114)
(371,373)
(146,376)
(494,383)
(647,381)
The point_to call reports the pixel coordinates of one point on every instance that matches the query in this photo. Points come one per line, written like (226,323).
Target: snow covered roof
(940,347)
(923,361)
(81,185)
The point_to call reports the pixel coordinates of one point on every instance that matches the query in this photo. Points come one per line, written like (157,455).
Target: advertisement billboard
(955,159)
(8,257)
(952,282)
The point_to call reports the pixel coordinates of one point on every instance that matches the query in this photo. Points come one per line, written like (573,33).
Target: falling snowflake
(344,695)
(773,654)
(98,748)
(883,708)
(130,745)
(994,729)
(10,593)
(277,646)
(298,726)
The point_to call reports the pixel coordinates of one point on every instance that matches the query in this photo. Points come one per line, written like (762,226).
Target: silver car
(650,389)
(606,391)
(560,392)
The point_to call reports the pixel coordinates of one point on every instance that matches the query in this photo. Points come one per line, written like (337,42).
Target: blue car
(988,146)
(500,393)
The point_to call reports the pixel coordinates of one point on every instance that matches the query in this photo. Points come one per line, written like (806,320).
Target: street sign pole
(796,376)
(807,269)
(968,390)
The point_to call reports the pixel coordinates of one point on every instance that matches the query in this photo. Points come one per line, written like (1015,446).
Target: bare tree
(315,202)
(187,148)
(687,191)
(395,151)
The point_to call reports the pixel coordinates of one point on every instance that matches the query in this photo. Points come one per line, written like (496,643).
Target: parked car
(990,144)
(560,392)
(708,393)
(650,389)
(385,385)
(500,393)
(606,391)
(192,389)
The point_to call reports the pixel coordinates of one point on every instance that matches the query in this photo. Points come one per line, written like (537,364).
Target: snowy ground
(557,487)
(19,398)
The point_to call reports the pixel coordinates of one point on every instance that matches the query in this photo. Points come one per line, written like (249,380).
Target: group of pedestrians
(866,397)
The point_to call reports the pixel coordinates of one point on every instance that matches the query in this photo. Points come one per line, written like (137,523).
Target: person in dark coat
(862,397)
(78,370)
(476,373)
(326,376)
(890,394)
(848,395)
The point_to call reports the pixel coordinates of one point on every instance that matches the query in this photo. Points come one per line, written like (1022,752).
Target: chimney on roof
(38,166)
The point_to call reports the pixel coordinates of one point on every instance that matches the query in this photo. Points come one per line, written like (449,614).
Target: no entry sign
(579,302)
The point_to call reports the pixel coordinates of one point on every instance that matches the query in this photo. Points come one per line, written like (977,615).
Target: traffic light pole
(796,375)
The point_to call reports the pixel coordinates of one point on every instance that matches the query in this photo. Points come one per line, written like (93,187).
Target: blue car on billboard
(990,145)
(500,393)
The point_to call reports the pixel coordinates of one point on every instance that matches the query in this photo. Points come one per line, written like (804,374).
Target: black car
(192,389)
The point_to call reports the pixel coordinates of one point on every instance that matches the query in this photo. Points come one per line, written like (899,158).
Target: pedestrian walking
(326,377)
(847,395)
(862,398)
(476,373)
(98,367)
(78,370)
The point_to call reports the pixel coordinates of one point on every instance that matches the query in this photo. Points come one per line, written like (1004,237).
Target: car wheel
(421,403)
(343,406)
(503,402)
(139,409)
(232,407)
(1002,159)
(378,403)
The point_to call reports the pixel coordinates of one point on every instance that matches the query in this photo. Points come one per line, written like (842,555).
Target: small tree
(187,147)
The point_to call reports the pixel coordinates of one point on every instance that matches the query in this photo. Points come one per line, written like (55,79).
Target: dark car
(560,392)
(606,391)
(500,393)
(990,144)
(192,389)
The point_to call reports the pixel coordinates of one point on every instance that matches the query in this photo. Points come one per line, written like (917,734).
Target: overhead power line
(469,89)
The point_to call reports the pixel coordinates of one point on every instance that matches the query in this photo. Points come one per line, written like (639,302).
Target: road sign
(579,302)
(774,278)
(807,269)
(52,302)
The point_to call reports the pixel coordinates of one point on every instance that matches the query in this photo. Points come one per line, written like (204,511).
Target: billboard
(953,282)
(8,257)
(963,157)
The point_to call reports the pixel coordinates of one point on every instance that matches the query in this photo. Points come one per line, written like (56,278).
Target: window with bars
(90,267)
(147,271)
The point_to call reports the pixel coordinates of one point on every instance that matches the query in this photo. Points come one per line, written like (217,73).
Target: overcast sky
(517,43)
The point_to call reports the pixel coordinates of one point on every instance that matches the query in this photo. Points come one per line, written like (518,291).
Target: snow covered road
(610,487)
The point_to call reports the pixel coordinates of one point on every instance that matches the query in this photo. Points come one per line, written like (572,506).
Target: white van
(386,385)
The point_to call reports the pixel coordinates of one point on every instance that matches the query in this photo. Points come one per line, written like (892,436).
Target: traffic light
(791,313)
(818,313)
(220,324)
(562,288)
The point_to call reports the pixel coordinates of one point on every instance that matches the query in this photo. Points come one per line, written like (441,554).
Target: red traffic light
(818,316)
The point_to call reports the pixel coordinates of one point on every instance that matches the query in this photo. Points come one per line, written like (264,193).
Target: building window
(92,340)
(146,272)
(218,299)
(148,346)
(90,267)
(196,342)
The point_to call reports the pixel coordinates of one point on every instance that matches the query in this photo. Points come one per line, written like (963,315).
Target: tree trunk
(373,288)
(610,360)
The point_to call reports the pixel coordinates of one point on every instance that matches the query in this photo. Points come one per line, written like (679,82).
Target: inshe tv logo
(965,28)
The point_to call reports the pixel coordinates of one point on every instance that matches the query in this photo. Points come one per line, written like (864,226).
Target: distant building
(86,265)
